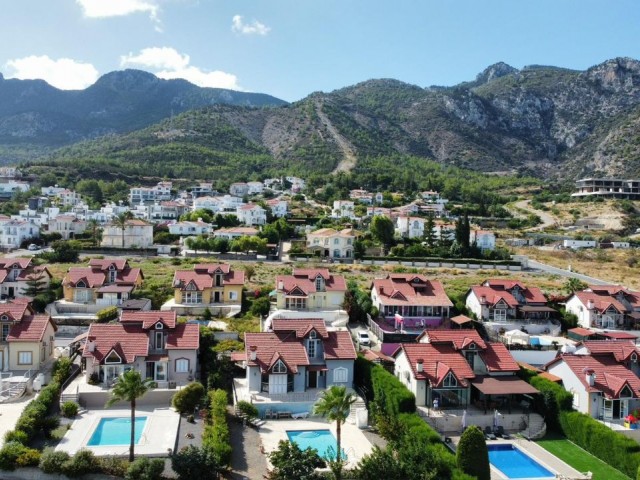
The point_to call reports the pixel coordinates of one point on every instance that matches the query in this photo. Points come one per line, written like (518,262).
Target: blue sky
(290,48)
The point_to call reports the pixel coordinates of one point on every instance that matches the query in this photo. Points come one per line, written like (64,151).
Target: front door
(277,384)
(11,292)
(150,373)
(313,380)
(161,371)
(216,297)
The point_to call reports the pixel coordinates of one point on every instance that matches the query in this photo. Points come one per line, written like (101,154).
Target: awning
(317,368)
(82,336)
(116,289)
(157,358)
(238,356)
(502,385)
(533,309)
(461,319)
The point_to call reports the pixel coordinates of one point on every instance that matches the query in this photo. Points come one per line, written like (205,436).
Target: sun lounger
(488,434)
(300,415)
(499,432)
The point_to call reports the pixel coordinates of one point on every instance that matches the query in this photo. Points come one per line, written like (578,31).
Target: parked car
(33,247)
(363,339)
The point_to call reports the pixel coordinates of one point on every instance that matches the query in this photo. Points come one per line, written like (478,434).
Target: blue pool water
(514,463)
(322,440)
(116,431)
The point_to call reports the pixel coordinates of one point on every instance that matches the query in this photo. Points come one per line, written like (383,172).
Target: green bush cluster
(609,446)
(391,396)
(69,409)
(216,435)
(145,469)
(34,417)
(82,463)
(61,369)
(472,454)
(15,454)
(248,409)
(552,400)
(107,314)
(187,399)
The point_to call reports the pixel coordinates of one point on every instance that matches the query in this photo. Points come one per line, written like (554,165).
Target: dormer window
(320,286)
(4,318)
(626,392)
(472,346)
(113,357)
(450,381)
(159,326)
(81,284)
(312,334)
(634,357)
(112,273)
(279,367)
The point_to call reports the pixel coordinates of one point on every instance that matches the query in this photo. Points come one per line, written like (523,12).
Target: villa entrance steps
(14,391)
(355,406)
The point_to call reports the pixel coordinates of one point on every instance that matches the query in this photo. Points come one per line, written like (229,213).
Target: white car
(363,339)
(33,247)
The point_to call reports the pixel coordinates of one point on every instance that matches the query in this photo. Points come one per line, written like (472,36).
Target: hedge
(609,446)
(34,416)
(216,436)
(107,314)
(391,396)
(552,400)
(476,261)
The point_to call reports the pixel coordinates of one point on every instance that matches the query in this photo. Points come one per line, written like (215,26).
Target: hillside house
(14,232)
(606,306)
(18,275)
(328,242)
(137,234)
(251,214)
(69,226)
(310,289)
(410,227)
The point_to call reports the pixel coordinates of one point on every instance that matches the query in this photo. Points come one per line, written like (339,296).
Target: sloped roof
(267,344)
(494,296)
(30,329)
(457,338)
(95,275)
(184,337)
(203,275)
(149,318)
(610,375)
(531,294)
(131,340)
(339,346)
(621,350)
(410,289)
(304,279)
(301,326)
(601,302)
(437,359)
(498,359)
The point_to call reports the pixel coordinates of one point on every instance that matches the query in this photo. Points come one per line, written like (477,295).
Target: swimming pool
(514,463)
(116,431)
(322,440)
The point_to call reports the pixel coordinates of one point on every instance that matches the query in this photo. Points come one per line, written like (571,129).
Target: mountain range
(538,120)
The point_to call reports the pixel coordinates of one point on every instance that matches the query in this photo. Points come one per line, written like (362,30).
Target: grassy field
(579,459)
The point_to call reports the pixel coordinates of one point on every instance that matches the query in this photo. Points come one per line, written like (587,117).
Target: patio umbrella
(496,419)
(464,419)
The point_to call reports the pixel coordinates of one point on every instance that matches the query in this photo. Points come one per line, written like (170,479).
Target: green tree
(472,455)
(383,230)
(573,285)
(96,232)
(128,388)
(249,271)
(335,404)
(192,462)
(429,232)
(121,222)
(289,463)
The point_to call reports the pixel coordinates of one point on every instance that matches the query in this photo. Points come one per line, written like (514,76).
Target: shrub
(49,424)
(193,462)
(472,454)
(61,369)
(53,462)
(16,436)
(113,466)
(28,458)
(391,396)
(70,409)
(13,451)
(82,463)
(613,448)
(552,400)
(216,435)
(186,400)
(145,469)
(248,409)
(107,314)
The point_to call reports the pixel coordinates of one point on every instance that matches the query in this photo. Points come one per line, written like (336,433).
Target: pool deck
(158,437)
(540,455)
(354,442)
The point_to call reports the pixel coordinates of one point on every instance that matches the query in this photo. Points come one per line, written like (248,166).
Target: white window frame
(340,375)
(25,358)
(182,365)
(279,367)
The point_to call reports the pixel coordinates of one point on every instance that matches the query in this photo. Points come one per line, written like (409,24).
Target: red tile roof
(610,376)
(30,329)
(8,263)
(458,338)
(494,296)
(621,350)
(532,295)
(437,359)
(203,275)
(601,302)
(339,346)
(184,337)
(410,289)
(105,263)
(148,319)
(583,332)
(301,326)
(129,340)
(15,311)
(305,281)
(95,275)
(498,359)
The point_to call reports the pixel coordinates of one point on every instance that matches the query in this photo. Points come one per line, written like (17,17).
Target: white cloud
(117,8)
(168,63)
(63,73)
(253,28)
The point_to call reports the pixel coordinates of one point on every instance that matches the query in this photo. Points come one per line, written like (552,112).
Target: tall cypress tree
(472,454)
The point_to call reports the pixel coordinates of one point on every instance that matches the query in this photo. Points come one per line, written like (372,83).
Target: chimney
(199,219)
(381,290)
(590,304)
(419,363)
(253,353)
(590,377)
(483,299)
(91,346)
(280,285)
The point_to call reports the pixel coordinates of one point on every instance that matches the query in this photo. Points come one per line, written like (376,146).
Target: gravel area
(247,461)
(188,434)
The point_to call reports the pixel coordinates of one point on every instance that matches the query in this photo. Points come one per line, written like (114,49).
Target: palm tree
(121,222)
(335,404)
(94,226)
(572,285)
(129,387)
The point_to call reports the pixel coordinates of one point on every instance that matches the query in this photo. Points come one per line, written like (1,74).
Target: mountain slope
(544,121)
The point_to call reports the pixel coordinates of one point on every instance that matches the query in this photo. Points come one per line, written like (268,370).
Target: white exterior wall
(585,316)
(579,243)
(474,306)
(403,372)
(583,401)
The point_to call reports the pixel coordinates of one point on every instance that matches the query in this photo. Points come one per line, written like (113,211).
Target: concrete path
(9,414)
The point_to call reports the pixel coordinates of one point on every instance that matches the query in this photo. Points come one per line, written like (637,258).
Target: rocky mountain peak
(617,74)
(494,71)
(127,80)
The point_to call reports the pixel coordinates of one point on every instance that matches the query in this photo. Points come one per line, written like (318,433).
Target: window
(279,367)
(500,315)
(159,326)
(5,332)
(340,375)
(113,357)
(336,241)
(25,358)
(192,297)
(159,340)
(319,284)
(182,365)
(450,381)
(233,295)
(296,303)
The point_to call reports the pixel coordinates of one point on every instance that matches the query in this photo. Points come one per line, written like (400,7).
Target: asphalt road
(533,265)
